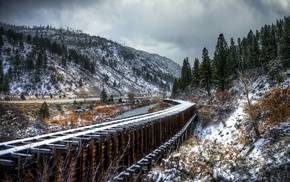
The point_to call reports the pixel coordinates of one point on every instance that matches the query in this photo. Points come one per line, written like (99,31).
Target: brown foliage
(256,110)
(224,97)
(106,110)
(194,99)
(277,105)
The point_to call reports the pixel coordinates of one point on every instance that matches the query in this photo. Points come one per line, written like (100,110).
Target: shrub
(22,96)
(44,110)
(86,116)
(277,105)
(106,110)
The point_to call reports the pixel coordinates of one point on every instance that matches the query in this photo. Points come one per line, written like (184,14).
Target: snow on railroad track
(41,140)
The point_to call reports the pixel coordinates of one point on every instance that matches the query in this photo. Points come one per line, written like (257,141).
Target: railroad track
(47,143)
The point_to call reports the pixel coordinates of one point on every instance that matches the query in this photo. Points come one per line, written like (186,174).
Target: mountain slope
(58,62)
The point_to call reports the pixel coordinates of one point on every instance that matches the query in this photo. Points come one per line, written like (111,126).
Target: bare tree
(254,123)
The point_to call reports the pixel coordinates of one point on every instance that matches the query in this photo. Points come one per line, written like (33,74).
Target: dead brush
(195,99)
(106,110)
(277,106)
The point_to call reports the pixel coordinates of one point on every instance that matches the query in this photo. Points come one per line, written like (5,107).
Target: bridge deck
(145,128)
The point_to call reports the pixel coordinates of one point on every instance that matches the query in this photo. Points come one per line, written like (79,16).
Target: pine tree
(104,96)
(63,61)
(248,50)
(44,110)
(174,88)
(1,76)
(240,65)
(28,39)
(29,64)
(274,74)
(39,61)
(1,31)
(221,64)
(196,72)
(44,59)
(185,74)
(206,71)
(1,41)
(284,52)
(234,57)
(6,86)
(273,44)
(265,46)
(256,52)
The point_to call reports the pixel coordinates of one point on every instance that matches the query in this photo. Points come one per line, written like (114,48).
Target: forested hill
(261,52)
(65,62)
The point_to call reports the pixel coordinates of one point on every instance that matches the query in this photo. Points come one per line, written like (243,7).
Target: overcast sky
(172,28)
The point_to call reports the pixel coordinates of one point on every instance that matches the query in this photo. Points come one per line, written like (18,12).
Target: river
(134,112)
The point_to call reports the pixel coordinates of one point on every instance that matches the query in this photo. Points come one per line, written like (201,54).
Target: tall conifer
(196,72)
(222,65)
(206,71)
(185,74)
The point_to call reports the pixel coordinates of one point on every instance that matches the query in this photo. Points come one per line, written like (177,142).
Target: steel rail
(36,142)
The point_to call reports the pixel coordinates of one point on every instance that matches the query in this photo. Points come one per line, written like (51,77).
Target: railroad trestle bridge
(119,150)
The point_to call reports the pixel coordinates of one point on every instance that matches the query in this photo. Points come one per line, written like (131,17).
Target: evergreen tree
(53,48)
(248,50)
(1,41)
(28,39)
(239,56)
(273,44)
(206,71)
(36,76)
(104,96)
(111,98)
(174,88)
(6,86)
(22,96)
(35,40)
(44,110)
(185,74)
(195,72)
(1,31)
(222,65)
(284,52)
(39,61)
(274,74)
(1,76)
(29,63)
(234,57)
(44,59)
(265,46)
(63,61)
(256,52)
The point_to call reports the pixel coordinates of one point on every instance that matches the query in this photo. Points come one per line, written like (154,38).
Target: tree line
(266,52)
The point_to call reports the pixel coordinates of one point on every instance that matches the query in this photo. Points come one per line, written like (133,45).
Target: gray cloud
(171,28)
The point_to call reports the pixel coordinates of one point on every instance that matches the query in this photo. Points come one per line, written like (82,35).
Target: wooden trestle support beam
(122,153)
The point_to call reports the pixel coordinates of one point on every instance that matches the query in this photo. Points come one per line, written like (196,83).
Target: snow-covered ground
(223,132)
(216,152)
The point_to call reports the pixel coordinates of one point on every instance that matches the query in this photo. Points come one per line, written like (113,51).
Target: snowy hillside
(69,63)
(223,148)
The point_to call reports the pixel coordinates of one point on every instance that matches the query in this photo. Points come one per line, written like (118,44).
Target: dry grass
(195,99)
(106,110)
(199,159)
